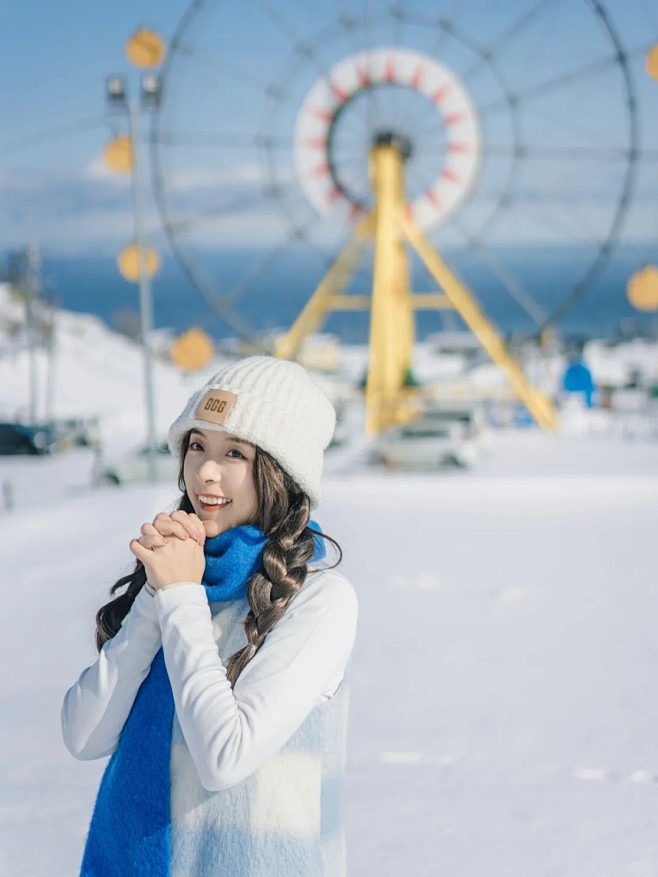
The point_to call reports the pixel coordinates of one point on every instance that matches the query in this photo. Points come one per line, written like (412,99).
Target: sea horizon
(92,284)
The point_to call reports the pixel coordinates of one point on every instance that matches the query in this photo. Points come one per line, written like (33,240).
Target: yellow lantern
(192,350)
(642,289)
(118,154)
(128,262)
(651,61)
(145,48)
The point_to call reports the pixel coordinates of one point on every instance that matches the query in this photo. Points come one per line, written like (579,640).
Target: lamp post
(138,262)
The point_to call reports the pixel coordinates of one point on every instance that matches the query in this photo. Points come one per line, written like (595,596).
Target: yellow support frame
(328,293)
(388,400)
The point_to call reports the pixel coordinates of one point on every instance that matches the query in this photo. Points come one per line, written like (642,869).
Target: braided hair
(283,516)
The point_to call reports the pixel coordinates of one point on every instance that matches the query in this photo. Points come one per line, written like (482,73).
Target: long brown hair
(283,516)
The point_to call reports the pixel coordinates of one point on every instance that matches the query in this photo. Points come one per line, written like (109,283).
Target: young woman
(219,685)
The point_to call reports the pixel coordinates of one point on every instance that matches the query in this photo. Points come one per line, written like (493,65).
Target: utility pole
(23,275)
(32,291)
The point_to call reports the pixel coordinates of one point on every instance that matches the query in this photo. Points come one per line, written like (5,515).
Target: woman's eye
(235,453)
(195,446)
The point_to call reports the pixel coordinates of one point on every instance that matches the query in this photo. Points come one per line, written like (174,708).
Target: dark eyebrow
(239,441)
(232,438)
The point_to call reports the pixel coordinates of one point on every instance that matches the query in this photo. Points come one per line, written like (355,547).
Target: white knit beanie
(272,403)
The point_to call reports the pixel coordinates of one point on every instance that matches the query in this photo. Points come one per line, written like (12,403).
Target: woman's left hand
(179,560)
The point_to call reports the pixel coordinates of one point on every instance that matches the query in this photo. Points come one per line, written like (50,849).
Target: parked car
(471,416)
(77,432)
(132,466)
(21,438)
(426,444)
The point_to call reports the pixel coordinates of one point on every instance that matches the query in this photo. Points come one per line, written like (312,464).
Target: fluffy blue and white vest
(286,819)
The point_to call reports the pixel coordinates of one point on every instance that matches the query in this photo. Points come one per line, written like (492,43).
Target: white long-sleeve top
(229,732)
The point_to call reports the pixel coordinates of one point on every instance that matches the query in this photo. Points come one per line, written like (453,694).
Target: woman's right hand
(178,525)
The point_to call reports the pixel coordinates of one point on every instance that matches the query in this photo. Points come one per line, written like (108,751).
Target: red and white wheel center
(388,66)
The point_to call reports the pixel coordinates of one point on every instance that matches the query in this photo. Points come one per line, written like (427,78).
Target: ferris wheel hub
(392,138)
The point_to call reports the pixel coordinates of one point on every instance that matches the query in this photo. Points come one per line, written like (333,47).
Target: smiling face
(218,471)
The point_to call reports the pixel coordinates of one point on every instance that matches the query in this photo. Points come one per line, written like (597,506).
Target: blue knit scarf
(130,827)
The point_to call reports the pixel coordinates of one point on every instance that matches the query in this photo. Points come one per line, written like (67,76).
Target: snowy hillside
(92,372)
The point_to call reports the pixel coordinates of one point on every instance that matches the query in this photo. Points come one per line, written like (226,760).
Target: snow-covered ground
(504,713)
(504,716)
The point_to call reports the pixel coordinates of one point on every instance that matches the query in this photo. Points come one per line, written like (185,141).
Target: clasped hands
(171,549)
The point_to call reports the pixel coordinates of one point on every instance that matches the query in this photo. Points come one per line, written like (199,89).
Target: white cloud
(97,169)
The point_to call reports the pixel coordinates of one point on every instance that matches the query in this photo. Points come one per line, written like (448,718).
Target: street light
(144,49)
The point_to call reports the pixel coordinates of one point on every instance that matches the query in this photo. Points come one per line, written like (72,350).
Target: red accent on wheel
(449,174)
(320,170)
(441,93)
(417,78)
(320,113)
(339,93)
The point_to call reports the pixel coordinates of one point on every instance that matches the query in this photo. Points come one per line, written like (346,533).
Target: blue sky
(55,57)
(53,64)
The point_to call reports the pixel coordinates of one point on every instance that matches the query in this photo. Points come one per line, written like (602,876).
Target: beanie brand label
(216,406)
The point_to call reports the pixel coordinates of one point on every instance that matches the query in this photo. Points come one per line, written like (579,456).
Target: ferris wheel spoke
(224,140)
(568,221)
(372,93)
(424,127)
(569,210)
(417,183)
(354,161)
(216,66)
(448,28)
(521,296)
(572,124)
(488,53)
(396,13)
(342,157)
(218,305)
(561,225)
(565,216)
(348,23)
(265,263)
(426,119)
(570,153)
(427,153)
(359,147)
(564,79)
(447,25)
(238,205)
(300,46)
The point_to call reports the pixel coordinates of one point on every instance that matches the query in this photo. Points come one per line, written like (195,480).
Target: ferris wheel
(517,123)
